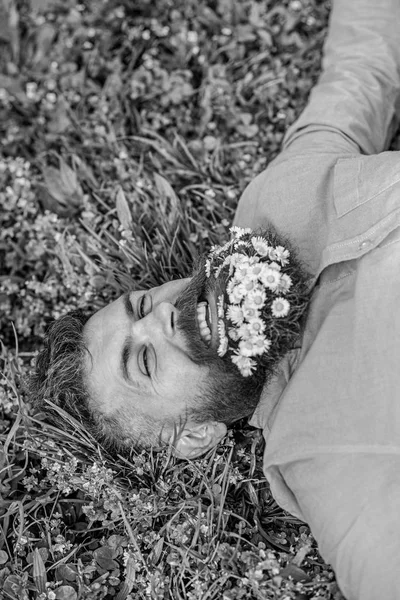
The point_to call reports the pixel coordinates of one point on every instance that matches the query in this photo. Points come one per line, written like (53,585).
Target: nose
(162,320)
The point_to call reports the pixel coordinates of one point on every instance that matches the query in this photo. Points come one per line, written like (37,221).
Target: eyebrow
(128,305)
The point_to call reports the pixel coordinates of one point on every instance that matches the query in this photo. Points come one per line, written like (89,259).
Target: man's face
(138,361)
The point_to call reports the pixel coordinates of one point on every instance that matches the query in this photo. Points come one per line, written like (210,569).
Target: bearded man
(158,366)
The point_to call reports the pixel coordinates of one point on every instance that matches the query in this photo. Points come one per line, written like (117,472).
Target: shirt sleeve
(352,505)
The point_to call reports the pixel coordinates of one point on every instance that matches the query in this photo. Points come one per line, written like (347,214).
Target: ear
(197,438)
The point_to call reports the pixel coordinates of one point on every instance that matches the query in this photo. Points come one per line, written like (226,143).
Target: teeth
(201,319)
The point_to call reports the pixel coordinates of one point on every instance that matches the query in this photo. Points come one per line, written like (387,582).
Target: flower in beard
(236,292)
(245,365)
(256,325)
(260,344)
(285,284)
(248,310)
(280,254)
(256,298)
(280,307)
(239,232)
(244,331)
(270,278)
(235,314)
(260,245)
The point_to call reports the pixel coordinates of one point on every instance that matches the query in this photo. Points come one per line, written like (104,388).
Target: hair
(58,382)
(226,396)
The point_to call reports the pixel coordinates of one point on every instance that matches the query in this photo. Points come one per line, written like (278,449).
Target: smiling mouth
(204,322)
(207,319)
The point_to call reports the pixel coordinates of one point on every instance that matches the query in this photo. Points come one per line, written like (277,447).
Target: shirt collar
(264,413)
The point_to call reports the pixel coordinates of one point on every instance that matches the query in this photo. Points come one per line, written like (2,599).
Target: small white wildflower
(282,255)
(233,334)
(256,325)
(274,265)
(235,314)
(244,331)
(254,271)
(270,278)
(256,298)
(249,284)
(261,344)
(238,232)
(285,284)
(260,246)
(245,365)
(280,307)
(236,293)
(249,312)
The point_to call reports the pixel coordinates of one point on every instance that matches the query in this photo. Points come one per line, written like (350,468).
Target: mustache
(187,320)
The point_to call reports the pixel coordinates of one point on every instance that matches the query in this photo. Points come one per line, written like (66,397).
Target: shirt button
(365,244)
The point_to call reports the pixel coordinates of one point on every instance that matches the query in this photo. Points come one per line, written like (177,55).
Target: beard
(187,302)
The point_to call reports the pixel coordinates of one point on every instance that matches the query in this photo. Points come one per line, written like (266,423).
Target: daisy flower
(280,307)
(260,246)
(256,325)
(256,298)
(236,293)
(244,331)
(238,232)
(246,348)
(274,265)
(285,284)
(238,259)
(235,314)
(261,344)
(254,271)
(282,255)
(244,364)
(249,312)
(249,283)
(233,334)
(270,278)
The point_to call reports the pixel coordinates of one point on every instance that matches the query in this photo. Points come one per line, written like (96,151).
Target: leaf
(130,577)
(103,557)
(155,554)
(60,120)
(123,210)
(294,572)
(3,557)
(66,573)
(14,587)
(64,193)
(66,592)
(13,23)
(39,572)
(44,39)
(167,193)
(84,170)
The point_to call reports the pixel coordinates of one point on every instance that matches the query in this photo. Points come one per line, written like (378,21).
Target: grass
(128,132)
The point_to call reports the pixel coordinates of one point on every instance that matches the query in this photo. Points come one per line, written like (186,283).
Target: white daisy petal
(280,307)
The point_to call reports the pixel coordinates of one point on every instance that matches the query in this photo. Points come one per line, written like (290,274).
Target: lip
(212,305)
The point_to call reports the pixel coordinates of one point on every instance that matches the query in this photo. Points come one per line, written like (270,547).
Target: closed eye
(145,305)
